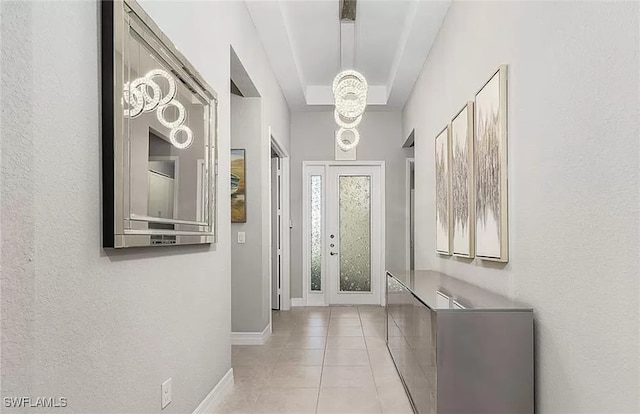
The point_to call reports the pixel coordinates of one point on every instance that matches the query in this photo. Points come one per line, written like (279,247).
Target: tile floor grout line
(324,356)
(288,328)
(375,383)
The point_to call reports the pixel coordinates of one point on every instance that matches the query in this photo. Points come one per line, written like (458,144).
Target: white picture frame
(490,169)
(462,183)
(442,162)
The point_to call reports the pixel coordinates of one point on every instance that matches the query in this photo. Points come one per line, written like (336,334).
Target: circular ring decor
(150,101)
(174,139)
(343,142)
(149,92)
(350,98)
(349,74)
(344,122)
(178,121)
(135,100)
(171,93)
(145,95)
(350,90)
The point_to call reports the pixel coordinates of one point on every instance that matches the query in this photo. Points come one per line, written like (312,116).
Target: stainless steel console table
(459,348)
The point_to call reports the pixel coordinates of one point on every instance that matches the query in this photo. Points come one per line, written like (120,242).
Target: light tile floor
(318,360)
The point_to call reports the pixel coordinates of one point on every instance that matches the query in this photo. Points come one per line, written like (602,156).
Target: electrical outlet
(166,393)
(241,237)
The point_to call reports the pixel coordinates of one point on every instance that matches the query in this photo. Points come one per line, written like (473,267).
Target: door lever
(333,254)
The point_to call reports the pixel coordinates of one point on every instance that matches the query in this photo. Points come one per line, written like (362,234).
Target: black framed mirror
(159,135)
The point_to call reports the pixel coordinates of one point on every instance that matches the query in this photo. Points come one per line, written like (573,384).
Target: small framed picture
(238,186)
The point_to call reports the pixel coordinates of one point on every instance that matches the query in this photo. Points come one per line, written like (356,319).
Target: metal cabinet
(459,348)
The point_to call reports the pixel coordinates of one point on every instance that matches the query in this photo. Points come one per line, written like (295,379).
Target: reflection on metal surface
(459,359)
(411,334)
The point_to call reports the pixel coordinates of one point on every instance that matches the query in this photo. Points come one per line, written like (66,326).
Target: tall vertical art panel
(462,196)
(490,147)
(443,193)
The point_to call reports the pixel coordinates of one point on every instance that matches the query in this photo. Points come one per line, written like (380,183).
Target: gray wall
(573,182)
(247,302)
(312,139)
(105,329)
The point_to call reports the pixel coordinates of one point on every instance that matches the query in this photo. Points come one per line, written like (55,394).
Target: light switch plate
(241,237)
(166,393)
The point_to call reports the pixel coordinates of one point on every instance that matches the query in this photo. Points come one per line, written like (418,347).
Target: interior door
(354,227)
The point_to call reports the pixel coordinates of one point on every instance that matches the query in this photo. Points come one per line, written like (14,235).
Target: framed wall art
(238,186)
(462,184)
(443,193)
(159,131)
(490,148)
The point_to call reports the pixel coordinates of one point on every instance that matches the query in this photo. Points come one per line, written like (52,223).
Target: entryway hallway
(318,360)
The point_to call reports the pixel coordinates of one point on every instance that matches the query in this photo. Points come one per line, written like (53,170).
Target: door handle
(333,254)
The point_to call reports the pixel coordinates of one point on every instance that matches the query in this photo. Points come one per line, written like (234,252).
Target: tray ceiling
(306,43)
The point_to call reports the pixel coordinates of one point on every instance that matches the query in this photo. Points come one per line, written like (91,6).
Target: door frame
(285,225)
(315,299)
(276,233)
(407,204)
(176,176)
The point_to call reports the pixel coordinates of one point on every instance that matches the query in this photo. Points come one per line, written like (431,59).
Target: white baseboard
(296,302)
(213,399)
(251,338)
(315,300)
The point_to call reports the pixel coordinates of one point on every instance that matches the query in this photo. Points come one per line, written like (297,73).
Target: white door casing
(276,246)
(329,175)
(284,225)
(346,250)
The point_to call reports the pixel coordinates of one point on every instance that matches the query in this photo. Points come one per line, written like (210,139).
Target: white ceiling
(303,41)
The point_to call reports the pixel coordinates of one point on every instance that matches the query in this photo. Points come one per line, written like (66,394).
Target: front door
(344,254)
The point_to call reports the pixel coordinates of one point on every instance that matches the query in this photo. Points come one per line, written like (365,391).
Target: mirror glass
(167,122)
(159,132)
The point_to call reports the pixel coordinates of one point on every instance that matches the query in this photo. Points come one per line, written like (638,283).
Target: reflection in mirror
(163,182)
(159,135)
(167,123)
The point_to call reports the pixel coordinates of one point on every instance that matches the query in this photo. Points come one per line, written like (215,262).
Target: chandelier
(350,95)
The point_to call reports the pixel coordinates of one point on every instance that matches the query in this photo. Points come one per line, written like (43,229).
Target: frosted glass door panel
(316,233)
(355,233)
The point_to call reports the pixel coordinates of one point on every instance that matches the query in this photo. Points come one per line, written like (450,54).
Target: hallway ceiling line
(306,42)
(276,40)
(406,33)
